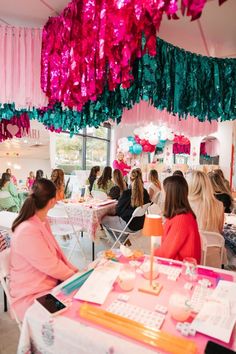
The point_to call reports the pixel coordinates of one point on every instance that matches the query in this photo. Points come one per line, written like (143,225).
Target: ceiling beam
(5,22)
(203,37)
(45,3)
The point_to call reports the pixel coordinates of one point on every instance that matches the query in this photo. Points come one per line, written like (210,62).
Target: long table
(70,333)
(87,216)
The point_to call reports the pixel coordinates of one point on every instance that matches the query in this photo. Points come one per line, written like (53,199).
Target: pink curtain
(143,113)
(20,53)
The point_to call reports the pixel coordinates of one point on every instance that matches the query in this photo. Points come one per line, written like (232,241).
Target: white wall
(26,165)
(225,137)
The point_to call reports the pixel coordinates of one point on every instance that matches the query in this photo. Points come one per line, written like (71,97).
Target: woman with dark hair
(130,199)
(181,237)
(178,173)
(95,170)
(119,187)
(11,201)
(39,175)
(13,178)
(58,178)
(221,192)
(37,263)
(104,183)
(226,182)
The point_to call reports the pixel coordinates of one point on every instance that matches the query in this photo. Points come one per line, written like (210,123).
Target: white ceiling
(213,35)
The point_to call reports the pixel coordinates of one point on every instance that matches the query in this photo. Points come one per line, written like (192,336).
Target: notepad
(99,284)
(218,315)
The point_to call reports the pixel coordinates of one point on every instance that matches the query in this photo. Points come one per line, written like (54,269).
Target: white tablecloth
(62,335)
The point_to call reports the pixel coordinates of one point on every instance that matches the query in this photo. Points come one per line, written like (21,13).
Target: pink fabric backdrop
(143,113)
(20,50)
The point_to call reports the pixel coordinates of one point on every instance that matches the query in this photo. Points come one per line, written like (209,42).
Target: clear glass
(126,279)
(100,132)
(69,155)
(189,269)
(96,152)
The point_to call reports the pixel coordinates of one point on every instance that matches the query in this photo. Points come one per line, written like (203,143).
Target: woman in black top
(92,176)
(130,199)
(119,187)
(220,191)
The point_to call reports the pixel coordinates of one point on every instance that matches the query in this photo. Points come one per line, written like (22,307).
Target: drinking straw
(155,338)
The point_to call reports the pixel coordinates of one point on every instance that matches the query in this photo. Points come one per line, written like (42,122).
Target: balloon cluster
(145,139)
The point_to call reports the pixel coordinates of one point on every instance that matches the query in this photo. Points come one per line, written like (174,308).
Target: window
(90,147)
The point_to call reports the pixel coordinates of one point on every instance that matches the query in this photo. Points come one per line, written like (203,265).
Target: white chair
(7,218)
(99,195)
(212,240)
(4,276)
(65,226)
(138,212)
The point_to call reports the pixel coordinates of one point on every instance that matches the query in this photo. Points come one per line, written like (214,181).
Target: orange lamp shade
(153,225)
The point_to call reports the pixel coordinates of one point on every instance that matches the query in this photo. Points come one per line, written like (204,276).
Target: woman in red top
(181,236)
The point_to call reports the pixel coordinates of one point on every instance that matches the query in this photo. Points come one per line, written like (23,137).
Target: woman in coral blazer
(181,237)
(37,263)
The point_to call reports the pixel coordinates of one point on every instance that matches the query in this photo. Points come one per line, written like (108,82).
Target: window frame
(84,136)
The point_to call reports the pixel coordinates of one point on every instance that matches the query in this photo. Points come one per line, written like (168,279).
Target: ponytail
(43,190)
(27,211)
(137,191)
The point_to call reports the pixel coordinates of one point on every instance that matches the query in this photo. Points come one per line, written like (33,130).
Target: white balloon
(153,141)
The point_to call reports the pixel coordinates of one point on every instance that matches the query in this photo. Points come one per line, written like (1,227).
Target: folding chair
(4,276)
(138,212)
(211,240)
(64,226)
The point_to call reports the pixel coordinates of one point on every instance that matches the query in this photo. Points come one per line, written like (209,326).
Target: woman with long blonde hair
(131,198)
(155,185)
(208,210)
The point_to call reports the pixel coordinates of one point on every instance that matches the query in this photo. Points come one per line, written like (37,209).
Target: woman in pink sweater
(181,237)
(37,263)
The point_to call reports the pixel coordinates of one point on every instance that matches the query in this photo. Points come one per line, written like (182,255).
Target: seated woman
(13,178)
(119,187)
(208,210)
(131,198)
(57,178)
(104,183)
(37,263)
(39,175)
(181,237)
(226,182)
(93,175)
(12,201)
(155,185)
(220,191)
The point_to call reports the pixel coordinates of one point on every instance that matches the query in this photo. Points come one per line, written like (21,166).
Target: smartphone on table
(51,304)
